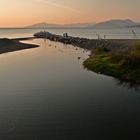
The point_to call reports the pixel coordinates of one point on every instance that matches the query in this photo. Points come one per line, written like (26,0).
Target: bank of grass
(125,66)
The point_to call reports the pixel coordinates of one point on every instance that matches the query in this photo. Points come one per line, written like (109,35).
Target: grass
(123,66)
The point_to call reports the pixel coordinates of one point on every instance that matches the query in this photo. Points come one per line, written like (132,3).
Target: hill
(117,23)
(46,25)
(41,25)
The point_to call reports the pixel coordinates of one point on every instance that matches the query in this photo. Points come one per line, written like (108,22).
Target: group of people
(65,35)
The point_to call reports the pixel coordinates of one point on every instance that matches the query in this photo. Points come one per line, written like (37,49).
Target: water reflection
(122,83)
(47,94)
(130,85)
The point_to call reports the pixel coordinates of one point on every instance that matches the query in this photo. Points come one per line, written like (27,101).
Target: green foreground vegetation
(125,66)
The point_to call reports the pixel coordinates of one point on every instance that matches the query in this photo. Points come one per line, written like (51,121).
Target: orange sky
(16,13)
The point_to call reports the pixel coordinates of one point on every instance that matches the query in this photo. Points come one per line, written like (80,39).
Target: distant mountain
(117,23)
(82,25)
(138,25)
(41,25)
(46,25)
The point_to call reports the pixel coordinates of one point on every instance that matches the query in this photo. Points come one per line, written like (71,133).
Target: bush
(136,51)
(129,62)
(116,58)
(102,50)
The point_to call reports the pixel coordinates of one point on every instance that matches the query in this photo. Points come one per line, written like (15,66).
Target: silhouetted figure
(66,34)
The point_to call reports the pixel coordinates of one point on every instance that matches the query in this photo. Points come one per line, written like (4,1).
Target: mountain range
(116,23)
(46,25)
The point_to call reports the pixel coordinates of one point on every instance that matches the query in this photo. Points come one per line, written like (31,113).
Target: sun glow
(18,13)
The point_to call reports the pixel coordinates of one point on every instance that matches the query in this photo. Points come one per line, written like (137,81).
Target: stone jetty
(122,45)
(75,41)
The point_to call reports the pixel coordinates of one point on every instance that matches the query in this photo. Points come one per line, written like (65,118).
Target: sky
(18,13)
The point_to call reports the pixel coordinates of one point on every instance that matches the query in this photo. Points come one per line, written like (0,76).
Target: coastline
(123,65)
(126,66)
(103,64)
(11,45)
(100,60)
(111,44)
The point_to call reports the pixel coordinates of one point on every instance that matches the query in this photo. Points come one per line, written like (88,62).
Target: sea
(119,33)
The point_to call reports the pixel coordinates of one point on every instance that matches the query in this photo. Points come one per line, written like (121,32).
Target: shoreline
(126,67)
(11,45)
(111,44)
(99,62)
(123,65)
(102,64)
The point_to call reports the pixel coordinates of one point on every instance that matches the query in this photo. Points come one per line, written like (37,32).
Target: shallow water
(45,93)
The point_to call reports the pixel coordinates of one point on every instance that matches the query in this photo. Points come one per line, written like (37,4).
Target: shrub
(116,57)
(136,51)
(102,50)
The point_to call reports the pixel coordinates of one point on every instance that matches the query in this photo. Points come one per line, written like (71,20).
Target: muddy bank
(11,45)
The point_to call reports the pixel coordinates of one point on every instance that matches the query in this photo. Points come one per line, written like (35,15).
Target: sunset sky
(16,13)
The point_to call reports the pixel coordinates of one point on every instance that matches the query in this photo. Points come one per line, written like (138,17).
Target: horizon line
(73,23)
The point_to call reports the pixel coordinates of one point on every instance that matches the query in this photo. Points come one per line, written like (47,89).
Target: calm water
(46,94)
(88,33)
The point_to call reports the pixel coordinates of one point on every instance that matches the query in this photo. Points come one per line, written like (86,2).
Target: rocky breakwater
(79,42)
(116,45)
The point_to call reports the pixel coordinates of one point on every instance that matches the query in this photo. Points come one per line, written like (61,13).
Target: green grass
(122,66)
(136,51)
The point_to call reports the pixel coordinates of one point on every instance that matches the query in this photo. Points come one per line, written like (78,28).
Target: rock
(86,43)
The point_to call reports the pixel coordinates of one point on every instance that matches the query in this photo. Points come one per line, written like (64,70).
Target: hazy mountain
(138,25)
(84,25)
(117,23)
(41,25)
(46,25)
